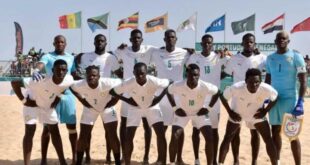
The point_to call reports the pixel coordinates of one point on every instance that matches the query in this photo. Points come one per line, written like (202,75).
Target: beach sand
(12,131)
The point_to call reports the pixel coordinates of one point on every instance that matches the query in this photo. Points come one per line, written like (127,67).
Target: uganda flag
(129,22)
(70,21)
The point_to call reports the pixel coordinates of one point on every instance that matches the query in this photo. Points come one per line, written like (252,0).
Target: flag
(129,22)
(217,25)
(99,22)
(247,24)
(274,25)
(70,21)
(19,39)
(190,23)
(303,26)
(158,23)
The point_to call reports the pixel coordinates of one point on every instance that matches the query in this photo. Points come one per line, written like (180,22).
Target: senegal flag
(70,21)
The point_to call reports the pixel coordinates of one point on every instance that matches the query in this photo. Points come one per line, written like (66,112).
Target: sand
(12,131)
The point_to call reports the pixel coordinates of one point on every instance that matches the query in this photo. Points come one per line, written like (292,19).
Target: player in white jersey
(249,96)
(128,57)
(93,93)
(191,95)
(141,89)
(211,68)
(237,67)
(109,67)
(40,102)
(170,63)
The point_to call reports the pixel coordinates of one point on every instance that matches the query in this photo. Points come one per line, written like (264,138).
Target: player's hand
(260,113)
(180,112)
(234,116)
(122,46)
(299,108)
(190,51)
(202,112)
(131,101)
(30,103)
(86,103)
(36,75)
(55,102)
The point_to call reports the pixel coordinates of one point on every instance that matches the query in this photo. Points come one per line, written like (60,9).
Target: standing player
(211,65)
(237,67)
(192,94)
(66,108)
(44,95)
(170,64)
(249,96)
(141,90)
(108,65)
(93,93)
(129,56)
(283,67)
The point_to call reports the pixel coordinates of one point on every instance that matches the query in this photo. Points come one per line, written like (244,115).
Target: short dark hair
(59,36)
(169,31)
(91,67)
(192,67)
(139,65)
(253,72)
(207,36)
(135,31)
(100,35)
(59,62)
(248,35)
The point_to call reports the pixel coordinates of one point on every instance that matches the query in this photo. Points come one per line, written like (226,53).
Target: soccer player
(44,96)
(247,99)
(192,93)
(66,107)
(141,91)
(283,67)
(128,57)
(108,67)
(211,65)
(237,67)
(93,93)
(170,64)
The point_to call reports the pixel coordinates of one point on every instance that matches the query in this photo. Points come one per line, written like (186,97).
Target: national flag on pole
(158,23)
(274,25)
(129,22)
(302,26)
(19,39)
(217,25)
(190,23)
(99,22)
(70,21)
(247,24)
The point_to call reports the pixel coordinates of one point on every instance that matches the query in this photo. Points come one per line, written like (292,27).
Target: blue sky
(39,21)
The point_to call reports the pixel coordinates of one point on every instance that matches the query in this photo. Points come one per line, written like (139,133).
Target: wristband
(175,108)
(60,96)
(209,108)
(24,100)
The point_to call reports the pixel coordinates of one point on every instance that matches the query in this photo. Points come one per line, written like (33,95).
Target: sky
(39,21)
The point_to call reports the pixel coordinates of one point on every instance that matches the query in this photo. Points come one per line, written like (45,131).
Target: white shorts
(249,123)
(135,115)
(124,108)
(166,109)
(31,115)
(197,121)
(214,114)
(90,115)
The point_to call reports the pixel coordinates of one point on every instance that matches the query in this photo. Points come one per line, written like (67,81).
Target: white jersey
(129,58)
(239,64)
(192,100)
(98,97)
(143,95)
(170,65)
(246,103)
(45,91)
(107,63)
(210,67)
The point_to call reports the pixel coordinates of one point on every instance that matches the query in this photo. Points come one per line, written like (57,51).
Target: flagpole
(109,31)
(81,48)
(225,29)
(196,30)
(254,23)
(284,21)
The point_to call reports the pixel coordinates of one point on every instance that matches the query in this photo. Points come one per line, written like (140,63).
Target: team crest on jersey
(102,94)
(289,59)
(149,92)
(199,96)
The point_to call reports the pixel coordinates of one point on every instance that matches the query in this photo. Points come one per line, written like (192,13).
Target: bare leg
(27,142)
(83,142)
(130,134)
(235,144)
(296,149)
(56,140)
(87,151)
(207,134)
(174,142)
(255,141)
(180,148)
(108,148)
(161,142)
(147,140)
(276,137)
(122,134)
(196,142)
(73,139)
(216,144)
(45,139)
(113,140)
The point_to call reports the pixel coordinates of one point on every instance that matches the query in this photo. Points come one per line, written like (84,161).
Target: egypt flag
(274,25)
(70,21)
(129,22)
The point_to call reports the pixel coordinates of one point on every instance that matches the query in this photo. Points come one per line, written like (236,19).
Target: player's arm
(261,112)
(17,85)
(112,102)
(268,78)
(299,107)
(177,110)
(233,115)
(36,75)
(81,98)
(56,101)
(77,61)
(157,99)
(205,110)
(130,100)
